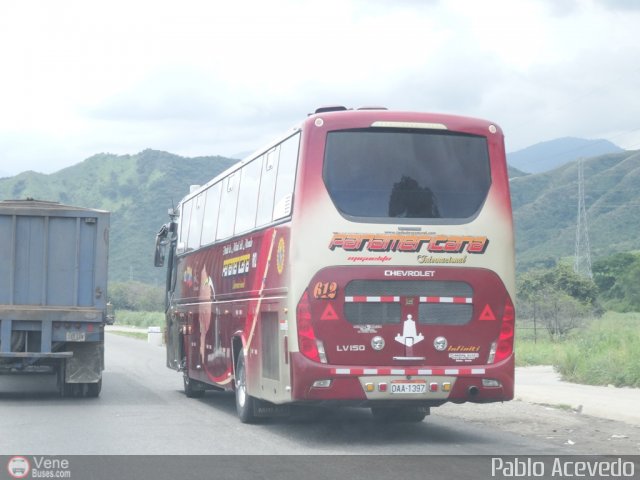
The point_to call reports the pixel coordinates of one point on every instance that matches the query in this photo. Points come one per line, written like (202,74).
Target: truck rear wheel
(60,379)
(244,401)
(70,390)
(93,389)
(66,390)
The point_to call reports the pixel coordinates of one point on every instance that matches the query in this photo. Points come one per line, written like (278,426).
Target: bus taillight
(501,349)
(308,344)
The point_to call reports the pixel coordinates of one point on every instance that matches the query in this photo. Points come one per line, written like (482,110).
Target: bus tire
(244,401)
(191,387)
(399,414)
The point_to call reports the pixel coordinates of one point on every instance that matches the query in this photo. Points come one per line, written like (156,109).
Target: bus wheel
(191,387)
(400,414)
(244,401)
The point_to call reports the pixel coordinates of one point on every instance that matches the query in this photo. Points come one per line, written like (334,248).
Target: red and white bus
(366,258)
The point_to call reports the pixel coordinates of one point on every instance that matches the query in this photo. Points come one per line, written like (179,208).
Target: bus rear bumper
(314,382)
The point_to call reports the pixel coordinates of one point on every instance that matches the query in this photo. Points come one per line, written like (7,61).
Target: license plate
(75,336)
(408,387)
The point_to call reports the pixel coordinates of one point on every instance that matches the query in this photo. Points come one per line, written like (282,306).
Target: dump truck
(53,293)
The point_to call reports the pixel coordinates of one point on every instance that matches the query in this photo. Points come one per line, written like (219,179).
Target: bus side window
(185,218)
(195,224)
(210,221)
(286,177)
(228,204)
(248,202)
(267,188)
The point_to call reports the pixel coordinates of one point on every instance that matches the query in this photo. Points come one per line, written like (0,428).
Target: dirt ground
(573,432)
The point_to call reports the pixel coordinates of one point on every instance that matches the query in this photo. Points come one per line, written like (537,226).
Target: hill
(545,209)
(514,172)
(546,156)
(137,190)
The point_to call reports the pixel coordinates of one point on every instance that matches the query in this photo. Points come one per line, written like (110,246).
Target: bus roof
(240,164)
(383,117)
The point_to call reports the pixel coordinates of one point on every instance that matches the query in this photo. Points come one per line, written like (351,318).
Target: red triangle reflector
(329,313)
(487,313)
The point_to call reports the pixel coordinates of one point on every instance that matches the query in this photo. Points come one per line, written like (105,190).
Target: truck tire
(244,401)
(66,390)
(93,389)
(70,390)
(60,380)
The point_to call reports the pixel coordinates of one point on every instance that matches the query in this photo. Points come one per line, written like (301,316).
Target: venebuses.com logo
(18,467)
(38,467)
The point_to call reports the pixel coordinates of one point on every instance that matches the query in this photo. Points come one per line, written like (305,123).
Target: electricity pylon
(582,259)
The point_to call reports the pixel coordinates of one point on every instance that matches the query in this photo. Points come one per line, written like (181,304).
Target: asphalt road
(143,411)
(143,426)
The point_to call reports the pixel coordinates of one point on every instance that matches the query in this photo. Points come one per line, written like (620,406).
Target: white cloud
(207,78)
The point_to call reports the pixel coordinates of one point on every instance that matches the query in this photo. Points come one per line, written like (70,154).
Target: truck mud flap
(87,363)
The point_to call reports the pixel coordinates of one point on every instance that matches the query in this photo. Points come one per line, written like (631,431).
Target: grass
(139,319)
(606,352)
(543,352)
(603,353)
(136,335)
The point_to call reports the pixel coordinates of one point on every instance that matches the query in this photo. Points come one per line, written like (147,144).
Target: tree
(558,298)
(618,278)
(136,296)
(631,286)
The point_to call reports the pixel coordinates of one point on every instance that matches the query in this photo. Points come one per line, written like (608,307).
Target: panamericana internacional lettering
(391,242)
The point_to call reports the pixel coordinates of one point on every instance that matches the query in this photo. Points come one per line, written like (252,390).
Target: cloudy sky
(208,77)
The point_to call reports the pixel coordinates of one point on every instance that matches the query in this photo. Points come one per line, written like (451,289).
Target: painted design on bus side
(391,242)
(280,256)
(236,265)
(208,283)
(187,278)
(237,246)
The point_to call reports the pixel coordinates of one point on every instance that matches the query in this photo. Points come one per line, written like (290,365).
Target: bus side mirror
(161,246)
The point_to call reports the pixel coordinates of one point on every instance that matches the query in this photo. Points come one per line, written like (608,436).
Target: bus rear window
(394,173)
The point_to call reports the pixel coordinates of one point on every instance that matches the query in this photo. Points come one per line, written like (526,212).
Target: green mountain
(545,156)
(545,209)
(137,190)
(514,172)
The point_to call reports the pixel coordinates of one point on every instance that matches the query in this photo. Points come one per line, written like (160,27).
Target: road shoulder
(542,385)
